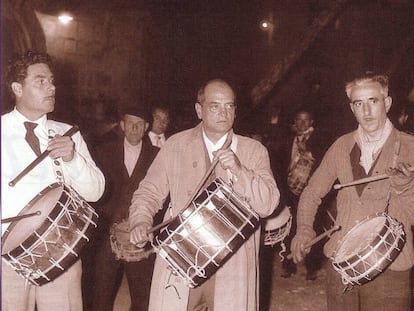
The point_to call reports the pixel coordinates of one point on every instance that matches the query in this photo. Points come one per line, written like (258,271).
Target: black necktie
(31,137)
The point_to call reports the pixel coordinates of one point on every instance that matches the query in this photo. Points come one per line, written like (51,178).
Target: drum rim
(355,227)
(23,211)
(161,246)
(374,270)
(287,216)
(64,261)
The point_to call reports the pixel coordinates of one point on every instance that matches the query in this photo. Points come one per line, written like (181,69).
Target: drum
(41,248)
(299,173)
(122,247)
(368,249)
(205,234)
(277,228)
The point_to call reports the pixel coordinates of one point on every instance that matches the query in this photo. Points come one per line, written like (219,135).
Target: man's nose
(222,110)
(51,87)
(366,108)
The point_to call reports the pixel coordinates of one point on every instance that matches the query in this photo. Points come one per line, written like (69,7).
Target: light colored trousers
(62,294)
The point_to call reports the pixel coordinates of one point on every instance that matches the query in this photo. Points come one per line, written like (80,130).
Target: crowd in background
(135,169)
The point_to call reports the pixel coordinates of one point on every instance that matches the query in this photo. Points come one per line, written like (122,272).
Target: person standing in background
(124,163)
(305,148)
(159,125)
(26,132)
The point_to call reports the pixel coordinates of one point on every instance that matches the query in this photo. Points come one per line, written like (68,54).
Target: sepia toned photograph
(188,155)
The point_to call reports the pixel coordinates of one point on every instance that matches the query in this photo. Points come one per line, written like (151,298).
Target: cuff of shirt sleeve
(134,221)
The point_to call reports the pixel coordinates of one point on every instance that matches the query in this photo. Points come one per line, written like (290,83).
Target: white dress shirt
(212,147)
(80,173)
(157,140)
(131,155)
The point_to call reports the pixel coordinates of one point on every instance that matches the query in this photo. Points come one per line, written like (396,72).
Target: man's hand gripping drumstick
(142,232)
(59,147)
(302,246)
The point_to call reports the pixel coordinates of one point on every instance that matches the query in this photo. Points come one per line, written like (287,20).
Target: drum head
(279,220)
(19,231)
(360,236)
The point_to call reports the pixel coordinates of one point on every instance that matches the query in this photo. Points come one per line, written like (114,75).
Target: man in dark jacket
(305,148)
(124,163)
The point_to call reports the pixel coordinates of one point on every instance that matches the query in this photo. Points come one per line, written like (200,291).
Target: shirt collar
(128,145)
(211,147)
(42,121)
(152,134)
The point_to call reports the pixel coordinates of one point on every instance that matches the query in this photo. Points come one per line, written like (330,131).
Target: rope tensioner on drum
(367,261)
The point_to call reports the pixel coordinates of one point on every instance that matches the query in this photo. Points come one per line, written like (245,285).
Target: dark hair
(18,64)
(162,107)
(306,110)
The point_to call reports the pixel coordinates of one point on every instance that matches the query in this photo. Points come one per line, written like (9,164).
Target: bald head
(215,83)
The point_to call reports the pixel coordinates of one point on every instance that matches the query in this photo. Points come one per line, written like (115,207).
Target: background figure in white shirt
(124,162)
(159,125)
(31,80)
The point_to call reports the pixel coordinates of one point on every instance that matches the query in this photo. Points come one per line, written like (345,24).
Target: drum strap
(57,163)
(397,146)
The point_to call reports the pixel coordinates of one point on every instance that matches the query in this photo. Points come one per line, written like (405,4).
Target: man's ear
(351,105)
(17,89)
(198,109)
(388,103)
(122,125)
(146,126)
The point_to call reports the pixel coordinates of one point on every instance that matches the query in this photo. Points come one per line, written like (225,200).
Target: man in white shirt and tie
(27,131)
(160,122)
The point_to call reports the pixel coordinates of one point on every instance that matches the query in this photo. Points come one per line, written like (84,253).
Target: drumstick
(317,239)
(366,180)
(15,218)
(40,158)
(226,144)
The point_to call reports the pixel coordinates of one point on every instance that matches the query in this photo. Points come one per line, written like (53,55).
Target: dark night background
(118,52)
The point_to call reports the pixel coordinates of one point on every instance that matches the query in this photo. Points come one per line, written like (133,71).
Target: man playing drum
(178,167)
(124,162)
(374,148)
(31,80)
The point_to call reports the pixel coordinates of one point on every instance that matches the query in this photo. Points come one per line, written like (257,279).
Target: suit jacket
(114,205)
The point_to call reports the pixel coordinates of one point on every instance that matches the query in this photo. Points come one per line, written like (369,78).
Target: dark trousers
(389,291)
(266,257)
(108,276)
(314,259)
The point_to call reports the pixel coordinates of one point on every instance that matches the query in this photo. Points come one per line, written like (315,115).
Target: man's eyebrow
(361,100)
(43,76)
